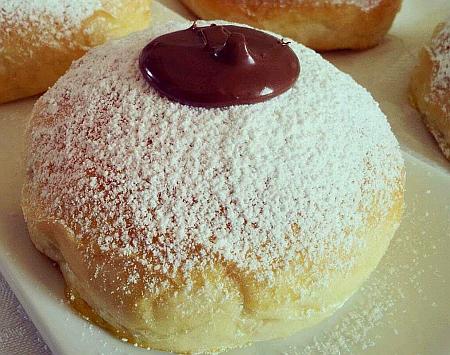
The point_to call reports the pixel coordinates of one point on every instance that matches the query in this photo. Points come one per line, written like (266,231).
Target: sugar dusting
(47,22)
(183,187)
(67,13)
(440,52)
(379,309)
(364,5)
(383,307)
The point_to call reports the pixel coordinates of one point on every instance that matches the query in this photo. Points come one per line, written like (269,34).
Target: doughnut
(40,39)
(430,86)
(190,223)
(319,24)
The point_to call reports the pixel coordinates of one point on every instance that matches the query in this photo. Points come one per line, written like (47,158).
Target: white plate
(404,307)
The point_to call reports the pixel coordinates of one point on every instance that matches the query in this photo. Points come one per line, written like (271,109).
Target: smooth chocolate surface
(218,66)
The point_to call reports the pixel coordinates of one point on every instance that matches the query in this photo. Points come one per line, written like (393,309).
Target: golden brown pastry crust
(433,103)
(34,54)
(317,24)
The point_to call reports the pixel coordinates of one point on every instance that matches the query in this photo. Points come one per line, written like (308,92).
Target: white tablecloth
(18,335)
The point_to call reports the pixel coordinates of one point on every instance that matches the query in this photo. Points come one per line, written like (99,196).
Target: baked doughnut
(40,39)
(430,86)
(319,24)
(195,229)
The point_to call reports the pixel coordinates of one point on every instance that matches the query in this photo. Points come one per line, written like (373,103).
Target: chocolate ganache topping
(218,66)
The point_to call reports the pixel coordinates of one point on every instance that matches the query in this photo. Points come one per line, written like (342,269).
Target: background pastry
(430,86)
(196,229)
(318,24)
(40,39)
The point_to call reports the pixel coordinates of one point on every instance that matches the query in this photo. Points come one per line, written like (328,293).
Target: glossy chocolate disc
(218,66)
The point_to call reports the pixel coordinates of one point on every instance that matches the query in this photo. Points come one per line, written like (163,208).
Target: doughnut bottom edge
(219,312)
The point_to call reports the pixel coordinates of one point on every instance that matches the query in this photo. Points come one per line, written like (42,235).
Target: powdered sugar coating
(440,53)
(176,188)
(365,5)
(68,13)
(51,20)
